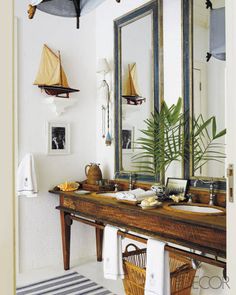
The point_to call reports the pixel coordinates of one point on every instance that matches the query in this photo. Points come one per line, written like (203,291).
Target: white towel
(157,271)
(135,195)
(26,177)
(112,249)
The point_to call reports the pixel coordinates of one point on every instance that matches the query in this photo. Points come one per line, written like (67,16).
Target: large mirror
(137,81)
(204,85)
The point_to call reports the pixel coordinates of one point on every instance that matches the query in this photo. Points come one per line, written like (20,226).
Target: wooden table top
(212,221)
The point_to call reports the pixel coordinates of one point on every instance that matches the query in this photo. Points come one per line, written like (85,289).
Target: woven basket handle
(181,268)
(131,245)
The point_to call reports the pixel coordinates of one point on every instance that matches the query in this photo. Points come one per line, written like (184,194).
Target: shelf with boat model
(52,80)
(130,91)
(51,77)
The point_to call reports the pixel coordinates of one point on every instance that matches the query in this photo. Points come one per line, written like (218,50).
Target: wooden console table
(206,234)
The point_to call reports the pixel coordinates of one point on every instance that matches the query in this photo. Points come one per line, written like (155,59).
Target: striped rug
(72,283)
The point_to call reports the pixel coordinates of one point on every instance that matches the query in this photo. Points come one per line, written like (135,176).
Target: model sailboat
(51,77)
(131,87)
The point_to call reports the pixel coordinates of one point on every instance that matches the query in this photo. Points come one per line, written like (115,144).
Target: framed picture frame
(127,137)
(176,186)
(58,142)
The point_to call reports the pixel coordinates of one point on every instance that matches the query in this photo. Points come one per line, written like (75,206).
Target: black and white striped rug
(72,283)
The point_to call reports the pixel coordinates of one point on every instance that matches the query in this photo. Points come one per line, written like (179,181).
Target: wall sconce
(103,68)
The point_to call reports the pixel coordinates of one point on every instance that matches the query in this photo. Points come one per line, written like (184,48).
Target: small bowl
(68,186)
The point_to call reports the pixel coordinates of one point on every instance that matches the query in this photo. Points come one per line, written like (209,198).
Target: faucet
(212,196)
(190,199)
(211,190)
(130,181)
(116,187)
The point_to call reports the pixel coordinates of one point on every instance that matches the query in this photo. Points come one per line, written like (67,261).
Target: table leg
(66,233)
(99,243)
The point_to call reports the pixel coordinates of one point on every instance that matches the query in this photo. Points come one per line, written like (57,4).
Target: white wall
(39,227)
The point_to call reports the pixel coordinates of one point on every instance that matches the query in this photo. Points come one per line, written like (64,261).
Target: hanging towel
(157,272)
(112,249)
(26,177)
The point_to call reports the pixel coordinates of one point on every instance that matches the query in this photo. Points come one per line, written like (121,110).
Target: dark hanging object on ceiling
(208,4)
(64,8)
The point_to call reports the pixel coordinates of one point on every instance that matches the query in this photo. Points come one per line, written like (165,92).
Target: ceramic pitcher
(93,173)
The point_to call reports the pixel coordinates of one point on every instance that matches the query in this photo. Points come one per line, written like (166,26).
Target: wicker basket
(181,272)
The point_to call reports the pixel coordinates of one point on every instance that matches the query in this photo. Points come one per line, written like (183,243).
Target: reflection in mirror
(137,88)
(208,88)
(137,82)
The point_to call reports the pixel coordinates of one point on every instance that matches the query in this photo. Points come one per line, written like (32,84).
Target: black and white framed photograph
(127,139)
(176,186)
(58,138)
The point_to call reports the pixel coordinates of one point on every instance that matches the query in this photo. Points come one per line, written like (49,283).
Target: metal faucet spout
(211,190)
(212,196)
(130,181)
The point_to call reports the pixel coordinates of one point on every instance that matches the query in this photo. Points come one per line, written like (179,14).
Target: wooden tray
(95,187)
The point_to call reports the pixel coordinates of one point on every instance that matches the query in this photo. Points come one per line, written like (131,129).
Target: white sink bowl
(197,209)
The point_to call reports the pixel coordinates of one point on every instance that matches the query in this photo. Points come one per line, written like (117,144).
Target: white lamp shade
(103,66)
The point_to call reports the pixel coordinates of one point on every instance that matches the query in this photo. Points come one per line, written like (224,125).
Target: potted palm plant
(163,140)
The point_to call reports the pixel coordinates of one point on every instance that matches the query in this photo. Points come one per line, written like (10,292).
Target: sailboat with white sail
(51,77)
(130,89)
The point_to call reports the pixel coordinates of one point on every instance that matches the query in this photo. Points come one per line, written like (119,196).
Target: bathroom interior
(145,113)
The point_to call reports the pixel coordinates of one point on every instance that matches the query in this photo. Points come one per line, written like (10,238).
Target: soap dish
(150,207)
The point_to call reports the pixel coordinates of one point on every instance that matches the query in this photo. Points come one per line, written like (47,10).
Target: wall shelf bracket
(59,105)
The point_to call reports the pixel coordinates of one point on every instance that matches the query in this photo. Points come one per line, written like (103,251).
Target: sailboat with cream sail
(51,77)
(130,89)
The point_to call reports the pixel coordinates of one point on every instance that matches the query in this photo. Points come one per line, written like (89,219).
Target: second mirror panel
(208,89)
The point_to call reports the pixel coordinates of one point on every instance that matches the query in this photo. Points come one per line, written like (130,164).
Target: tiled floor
(94,271)
(91,270)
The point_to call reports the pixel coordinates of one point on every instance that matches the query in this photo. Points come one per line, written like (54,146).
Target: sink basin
(196,209)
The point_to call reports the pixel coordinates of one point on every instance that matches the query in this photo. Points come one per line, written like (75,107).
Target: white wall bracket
(59,104)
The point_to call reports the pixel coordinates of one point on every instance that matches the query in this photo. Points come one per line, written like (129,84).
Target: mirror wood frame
(187,47)
(155,9)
